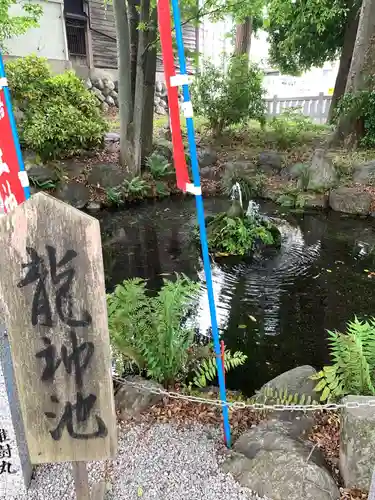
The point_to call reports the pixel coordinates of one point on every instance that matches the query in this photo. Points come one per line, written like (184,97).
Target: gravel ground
(154,462)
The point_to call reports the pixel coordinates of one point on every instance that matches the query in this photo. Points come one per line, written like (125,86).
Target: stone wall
(106,92)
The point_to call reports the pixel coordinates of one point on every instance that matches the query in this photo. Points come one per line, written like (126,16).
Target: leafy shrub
(361,107)
(271,395)
(61,116)
(237,235)
(250,187)
(134,189)
(151,331)
(292,198)
(207,370)
(229,98)
(158,166)
(290,128)
(353,356)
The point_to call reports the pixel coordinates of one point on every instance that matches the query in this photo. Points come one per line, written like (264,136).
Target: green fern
(271,395)
(150,331)
(135,187)
(353,356)
(158,165)
(206,371)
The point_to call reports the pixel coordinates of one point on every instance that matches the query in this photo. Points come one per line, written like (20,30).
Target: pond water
(275,309)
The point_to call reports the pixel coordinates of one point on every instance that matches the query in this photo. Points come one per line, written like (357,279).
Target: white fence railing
(316,107)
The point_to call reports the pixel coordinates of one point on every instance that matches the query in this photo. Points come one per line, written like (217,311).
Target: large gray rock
(106,175)
(357,451)
(270,161)
(74,193)
(322,173)
(282,475)
(316,201)
(42,173)
(295,381)
(206,157)
(243,168)
(131,401)
(365,173)
(72,167)
(165,148)
(275,435)
(159,110)
(350,201)
(98,94)
(110,101)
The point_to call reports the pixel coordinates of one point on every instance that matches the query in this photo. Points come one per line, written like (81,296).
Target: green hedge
(60,116)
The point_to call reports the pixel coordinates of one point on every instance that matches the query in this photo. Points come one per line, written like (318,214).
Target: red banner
(11,190)
(165,29)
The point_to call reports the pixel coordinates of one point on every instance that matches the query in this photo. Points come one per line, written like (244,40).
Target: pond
(275,309)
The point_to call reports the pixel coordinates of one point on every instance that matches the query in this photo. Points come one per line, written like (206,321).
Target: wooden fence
(316,107)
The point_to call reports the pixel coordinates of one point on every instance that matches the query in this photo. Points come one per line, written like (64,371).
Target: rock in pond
(270,161)
(357,451)
(364,173)
(316,201)
(130,401)
(206,157)
(74,193)
(350,201)
(42,173)
(106,175)
(322,173)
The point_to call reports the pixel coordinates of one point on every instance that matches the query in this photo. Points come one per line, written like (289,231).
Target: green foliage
(133,189)
(305,33)
(290,128)
(158,166)
(61,116)
(11,25)
(229,98)
(353,357)
(271,395)
(361,107)
(150,330)
(292,198)
(162,189)
(238,236)
(115,196)
(207,370)
(250,186)
(43,185)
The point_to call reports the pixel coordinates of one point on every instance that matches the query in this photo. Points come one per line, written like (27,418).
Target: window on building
(76,26)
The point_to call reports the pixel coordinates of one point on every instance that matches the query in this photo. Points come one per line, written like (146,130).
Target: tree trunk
(145,84)
(148,110)
(243,37)
(345,60)
(133,6)
(349,128)
(124,86)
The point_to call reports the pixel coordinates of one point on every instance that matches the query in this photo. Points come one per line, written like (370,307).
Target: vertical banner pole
(8,104)
(201,220)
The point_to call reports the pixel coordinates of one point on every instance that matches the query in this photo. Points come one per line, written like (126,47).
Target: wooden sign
(52,291)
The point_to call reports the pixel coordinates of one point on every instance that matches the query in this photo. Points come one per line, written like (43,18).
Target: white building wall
(215,44)
(48,40)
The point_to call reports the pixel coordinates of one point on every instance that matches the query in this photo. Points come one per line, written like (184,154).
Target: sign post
(52,291)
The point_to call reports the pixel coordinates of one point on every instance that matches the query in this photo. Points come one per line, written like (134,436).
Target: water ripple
(261,283)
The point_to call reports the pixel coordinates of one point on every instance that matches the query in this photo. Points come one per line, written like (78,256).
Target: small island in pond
(240,233)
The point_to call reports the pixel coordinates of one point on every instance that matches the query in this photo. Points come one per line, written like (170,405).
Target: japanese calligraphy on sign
(52,289)
(11,190)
